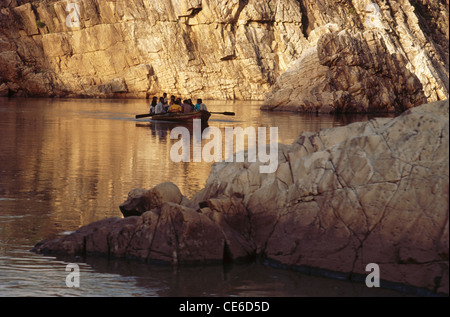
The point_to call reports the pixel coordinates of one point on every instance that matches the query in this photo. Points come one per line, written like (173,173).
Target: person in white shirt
(160,106)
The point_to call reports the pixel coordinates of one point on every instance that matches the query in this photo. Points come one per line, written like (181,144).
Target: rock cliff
(207,48)
(370,192)
(369,57)
(348,55)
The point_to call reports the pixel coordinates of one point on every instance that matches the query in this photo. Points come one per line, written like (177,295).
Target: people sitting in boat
(200,105)
(153,105)
(167,105)
(176,107)
(160,106)
(187,107)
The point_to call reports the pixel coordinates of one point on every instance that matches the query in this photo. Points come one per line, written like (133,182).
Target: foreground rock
(370,192)
(141,200)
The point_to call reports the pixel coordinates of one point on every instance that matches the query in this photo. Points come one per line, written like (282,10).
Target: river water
(65,163)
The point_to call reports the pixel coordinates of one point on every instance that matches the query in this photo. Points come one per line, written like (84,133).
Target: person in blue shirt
(200,105)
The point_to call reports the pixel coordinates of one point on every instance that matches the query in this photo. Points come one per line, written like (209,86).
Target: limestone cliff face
(237,49)
(209,48)
(369,57)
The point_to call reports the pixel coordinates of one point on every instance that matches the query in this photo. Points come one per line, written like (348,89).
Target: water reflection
(162,129)
(243,280)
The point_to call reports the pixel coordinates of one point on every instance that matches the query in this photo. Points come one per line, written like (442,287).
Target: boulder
(178,235)
(105,237)
(142,200)
(172,234)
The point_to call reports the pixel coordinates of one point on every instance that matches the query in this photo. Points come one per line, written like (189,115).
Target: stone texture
(207,48)
(357,73)
(231,50)
(375,65)
(369,192)
(141,200)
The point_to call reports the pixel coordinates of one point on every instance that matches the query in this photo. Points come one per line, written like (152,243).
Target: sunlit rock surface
(369,192)
(352,55)
(368,57)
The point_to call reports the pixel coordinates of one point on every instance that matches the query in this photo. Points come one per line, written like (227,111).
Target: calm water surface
(65,163)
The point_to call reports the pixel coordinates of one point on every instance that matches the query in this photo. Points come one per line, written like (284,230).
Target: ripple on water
(23,273)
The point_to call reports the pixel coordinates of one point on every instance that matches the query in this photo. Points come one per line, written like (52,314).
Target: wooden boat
(177,117)
(183,117)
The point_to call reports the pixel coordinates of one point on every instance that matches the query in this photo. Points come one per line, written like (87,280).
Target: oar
(225,113)
(144,115)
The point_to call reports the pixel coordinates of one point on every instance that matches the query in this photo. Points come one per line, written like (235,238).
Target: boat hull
(182,117)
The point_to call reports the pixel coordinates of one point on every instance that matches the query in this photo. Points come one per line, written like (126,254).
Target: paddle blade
(143,115)
(225,113)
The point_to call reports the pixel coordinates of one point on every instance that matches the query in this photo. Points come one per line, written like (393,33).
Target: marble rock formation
(375,65)
(349,55)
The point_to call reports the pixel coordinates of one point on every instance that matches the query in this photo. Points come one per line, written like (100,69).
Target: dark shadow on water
(162,128)
(348,118)
(252,279)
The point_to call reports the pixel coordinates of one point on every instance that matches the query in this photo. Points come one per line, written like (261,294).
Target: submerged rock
(370,192)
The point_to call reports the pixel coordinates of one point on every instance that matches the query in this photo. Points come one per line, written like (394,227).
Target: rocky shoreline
(369,192)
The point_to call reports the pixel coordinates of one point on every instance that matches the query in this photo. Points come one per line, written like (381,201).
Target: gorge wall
(240,49)
(391,58)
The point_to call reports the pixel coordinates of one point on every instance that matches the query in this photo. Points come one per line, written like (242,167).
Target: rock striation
(204,48)
(370,192)
(389,60)
(349,55)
